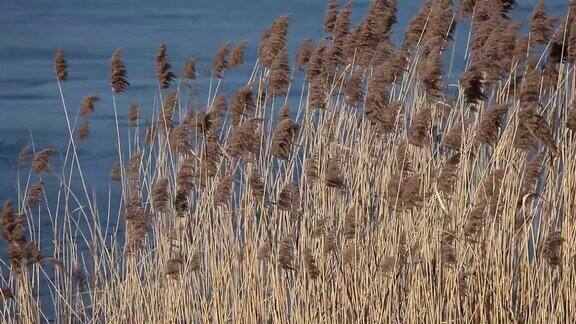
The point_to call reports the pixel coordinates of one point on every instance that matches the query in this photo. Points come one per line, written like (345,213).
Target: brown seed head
(552,250)
(24,155)
(134,114)
(60,66)
(34,196)
(303,55)
(311,267)
(540,25)
(189,71)
(88,104)
(274,40)
(221,60)
(118,81)
(160,195)
(83,131)
(42,161)
(330,16)
(164,75)
(242,104)
(237,55)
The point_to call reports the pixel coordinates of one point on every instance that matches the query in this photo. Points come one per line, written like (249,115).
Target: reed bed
(384,193)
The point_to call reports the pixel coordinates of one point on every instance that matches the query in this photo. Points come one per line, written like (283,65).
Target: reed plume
(42,161)
(329,243)
(274,40)
(352,42)
(20,251)
(279,77)
(391,116)
(330,16)
(181,203)
(449,175)
(540,25)
(223,192)
(172,268)
(334,177)
(210,157)
(237,55)
(350,225)
(242,104)
(303,54)
(164,75)
(335,53)
(118,77)
(377,96)
(552,249)
(311,170)
(34,196)
(180,139)
(83,131)
(220,106)
(185,176)
(448,249)
(354,88)
(490,125)
(311,267)
(316,63)
(137,221)
(404,191)
(571,119)
(431,75)
(264,252)
(454,138)
(286,253)
(244,141)
(88,104)
(160,196)
(383,53)
(221,60)
(115,173)
(419,133)
(60,66)
(133,169)
(521,49)
(256,185)
(283,137)
(24,155)
(317,95)
(530,173)
(417,26)
(475,222)
(466,7)
(6,293)
(189,70)
(533,128)
(134,114)
(472,82)
(289,197)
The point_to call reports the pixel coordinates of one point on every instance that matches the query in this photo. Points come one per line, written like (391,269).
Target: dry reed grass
(390,203)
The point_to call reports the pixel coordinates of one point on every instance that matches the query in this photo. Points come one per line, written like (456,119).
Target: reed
(390,191)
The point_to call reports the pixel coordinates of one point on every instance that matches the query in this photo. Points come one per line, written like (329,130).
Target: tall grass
(385,195)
